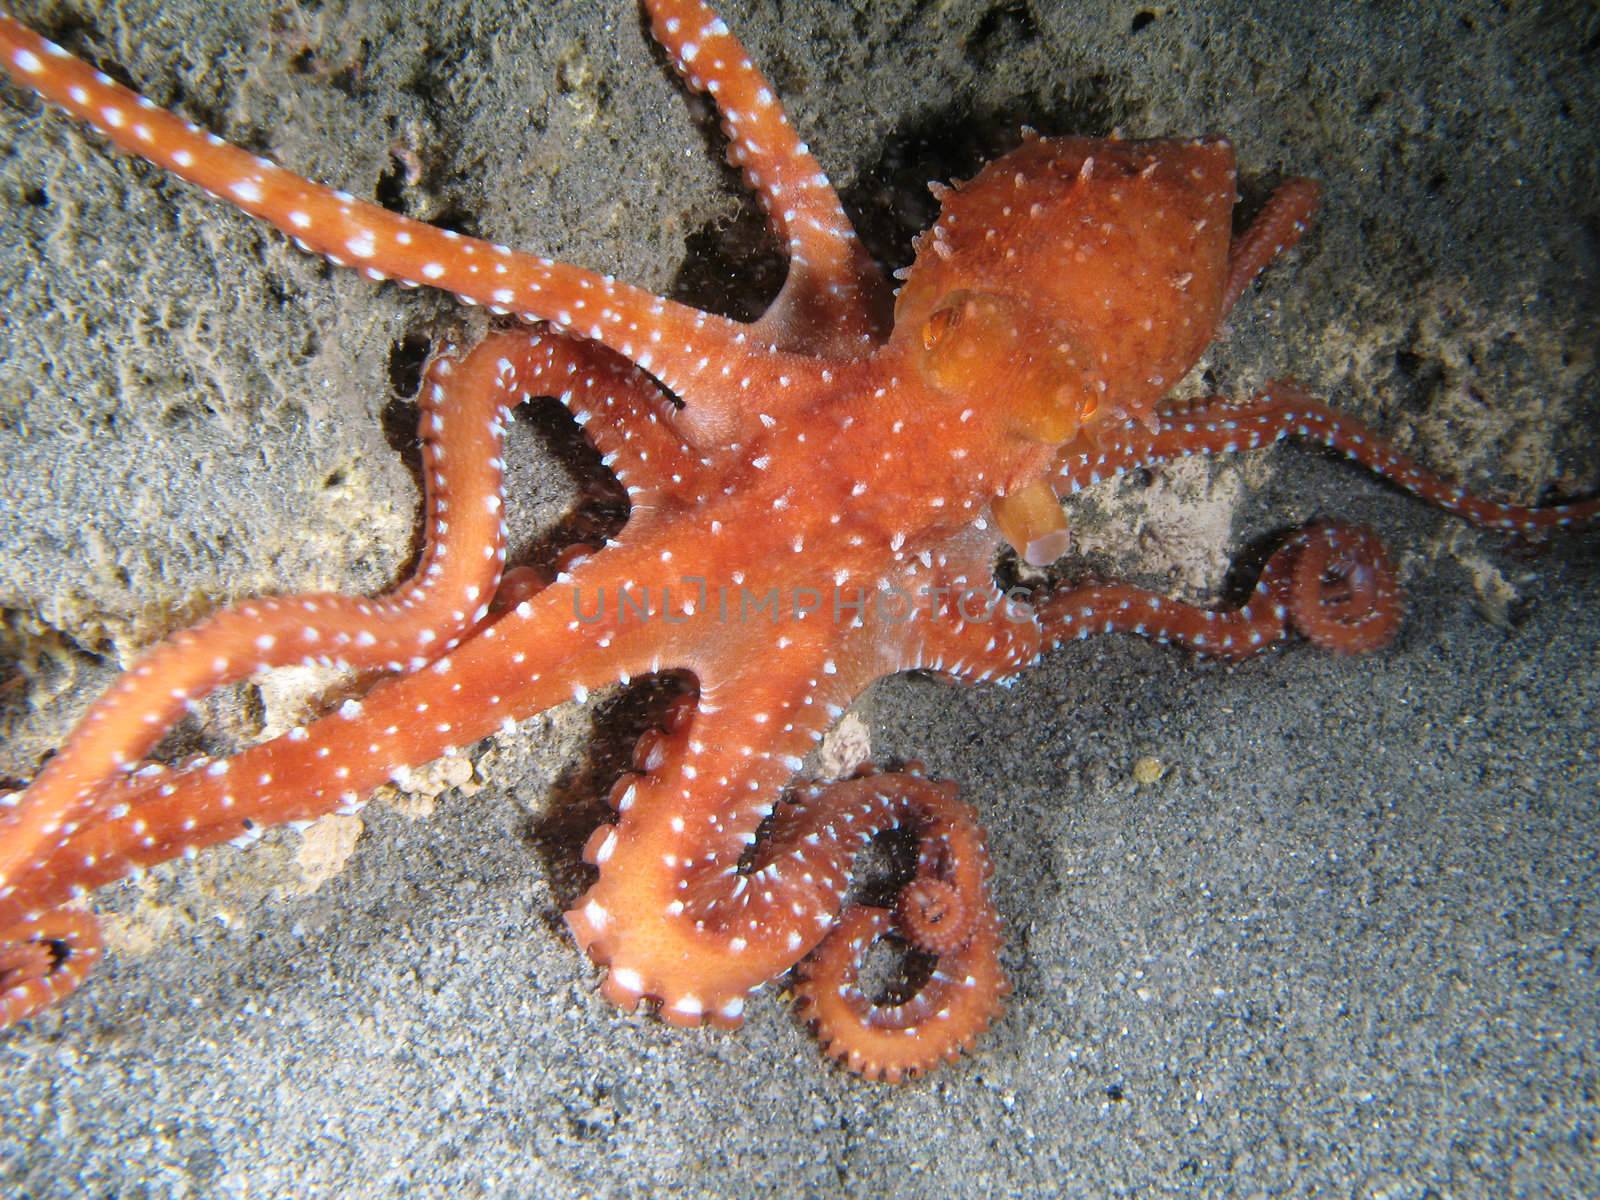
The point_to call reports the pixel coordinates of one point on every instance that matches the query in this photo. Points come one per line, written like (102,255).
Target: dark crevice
(457,220)
(1420,380)
(406,360)
(391,190)
(1001,34)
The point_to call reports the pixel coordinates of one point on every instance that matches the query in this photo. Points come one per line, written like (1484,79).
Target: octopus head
(983,345)
(1073,281)
(1060,293)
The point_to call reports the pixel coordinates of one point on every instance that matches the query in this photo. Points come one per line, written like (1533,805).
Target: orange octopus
(817,500)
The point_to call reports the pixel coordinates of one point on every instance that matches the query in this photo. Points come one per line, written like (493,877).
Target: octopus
(817,499)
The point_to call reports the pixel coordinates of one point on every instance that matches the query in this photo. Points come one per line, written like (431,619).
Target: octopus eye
(941,323)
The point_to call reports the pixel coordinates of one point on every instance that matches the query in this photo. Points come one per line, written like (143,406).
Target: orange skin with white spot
(864,474)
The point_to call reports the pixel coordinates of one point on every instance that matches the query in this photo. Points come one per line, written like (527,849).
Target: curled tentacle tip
(933,915)
(896,1041)
(43,959)
(1343,593)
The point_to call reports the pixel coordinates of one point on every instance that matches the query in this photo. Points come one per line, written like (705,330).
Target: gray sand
(1346,946)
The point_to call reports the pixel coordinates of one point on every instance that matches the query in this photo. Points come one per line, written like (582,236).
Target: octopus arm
(628,419)
(91,824)
(1285,411)
(44,958)
(688,908)
(835,299)
(690,351)
(517,664)
(963,625)
(1280,224)
(1332,582)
